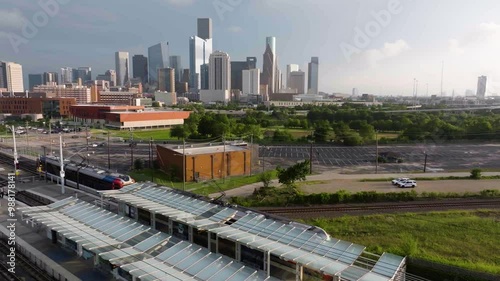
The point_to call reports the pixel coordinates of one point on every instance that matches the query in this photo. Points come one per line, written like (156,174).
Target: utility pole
(425,162)
(61,173)
(50,137)
(151,158)
(311,154)
(109,157)
(184,164)
(251,150)
(16,162)
(311,159)
(45,162)
(376,153)
(27,138)
(224,169)
(87,137)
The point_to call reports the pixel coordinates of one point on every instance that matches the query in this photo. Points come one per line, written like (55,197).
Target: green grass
(157,134)
(467,239)
(388,135)
(202,188)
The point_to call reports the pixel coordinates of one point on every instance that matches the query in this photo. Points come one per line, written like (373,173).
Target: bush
(266,178)
(475,174)
(138,164)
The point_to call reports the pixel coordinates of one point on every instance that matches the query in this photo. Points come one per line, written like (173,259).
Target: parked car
(94,145)
(408,184)
(398,180)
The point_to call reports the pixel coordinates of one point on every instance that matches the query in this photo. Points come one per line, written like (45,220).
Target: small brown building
(204,163)
(49,107)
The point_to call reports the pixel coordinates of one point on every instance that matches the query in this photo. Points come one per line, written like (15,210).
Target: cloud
(373,56)
(11,19)
(235,29)
(178,2)
(483,35)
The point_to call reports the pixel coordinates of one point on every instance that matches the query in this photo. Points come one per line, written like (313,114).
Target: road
(333,182)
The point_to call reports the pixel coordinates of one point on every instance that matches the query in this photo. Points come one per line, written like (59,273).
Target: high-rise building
(35,80)
(297,81)
(313,76)
(66,75)
(83,73)
(289,69)
(251,81)
(3,75)
(205,28)
(158,56)
(185,76)
(204,76)
(481,87)
(109,76)
(140,67)
(122,68)
(175,63)
(50,77)
(237,68)
(269,65)
(199,54)
(166,80)
(220,71)
(11,76)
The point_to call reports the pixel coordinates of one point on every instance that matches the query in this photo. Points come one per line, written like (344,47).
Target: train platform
(54,193)
(51,254)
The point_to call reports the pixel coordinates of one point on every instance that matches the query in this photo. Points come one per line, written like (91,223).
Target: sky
(377,46)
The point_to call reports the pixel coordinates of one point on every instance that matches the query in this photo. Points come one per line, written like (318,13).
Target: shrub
(475,174)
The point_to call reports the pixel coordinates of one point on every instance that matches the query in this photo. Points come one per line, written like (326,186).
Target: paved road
(332,182)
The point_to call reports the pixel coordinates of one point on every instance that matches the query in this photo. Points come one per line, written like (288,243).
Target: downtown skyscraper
(158,58)
(220,71)
(175,63)
(140,67)
(66,75)
(200,49)
(313,76)
(269,66)
(481,87)
(11,76)
(122,68)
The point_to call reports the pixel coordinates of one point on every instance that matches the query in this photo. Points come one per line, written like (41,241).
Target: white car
(408,184)
(398,180)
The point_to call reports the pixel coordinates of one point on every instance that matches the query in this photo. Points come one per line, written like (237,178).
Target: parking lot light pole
(425,162)
(376,152)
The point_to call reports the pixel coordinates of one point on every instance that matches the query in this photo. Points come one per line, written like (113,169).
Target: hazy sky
(412,43)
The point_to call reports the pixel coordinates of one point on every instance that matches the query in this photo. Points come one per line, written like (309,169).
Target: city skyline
(464,46)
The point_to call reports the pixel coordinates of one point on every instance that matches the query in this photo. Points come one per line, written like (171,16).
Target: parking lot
(412,157)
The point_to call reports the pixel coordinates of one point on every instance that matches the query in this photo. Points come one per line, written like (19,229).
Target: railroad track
(25,164)
(460,204)
(31,199)
(23,267)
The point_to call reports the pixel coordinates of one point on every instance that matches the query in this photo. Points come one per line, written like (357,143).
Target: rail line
(459,204)
(24,266)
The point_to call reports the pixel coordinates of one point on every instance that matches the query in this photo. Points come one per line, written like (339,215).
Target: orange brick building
(49,107)
(204,163)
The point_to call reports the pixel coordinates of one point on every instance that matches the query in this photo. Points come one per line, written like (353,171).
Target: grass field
(467,239)
(202,188)
(157,134)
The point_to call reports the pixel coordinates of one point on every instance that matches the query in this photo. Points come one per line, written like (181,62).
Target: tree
(179,132)
(294,173)
(282,136)
(138,164)
(367,132)
(475,174)
(156,104)
(322,131)
(266,178)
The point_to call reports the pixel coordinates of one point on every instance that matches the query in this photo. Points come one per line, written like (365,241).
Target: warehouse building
(204,162)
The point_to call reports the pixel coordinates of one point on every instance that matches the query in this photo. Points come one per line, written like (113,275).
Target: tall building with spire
(313,76)
(269,65)
(122,68)
(200,49)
